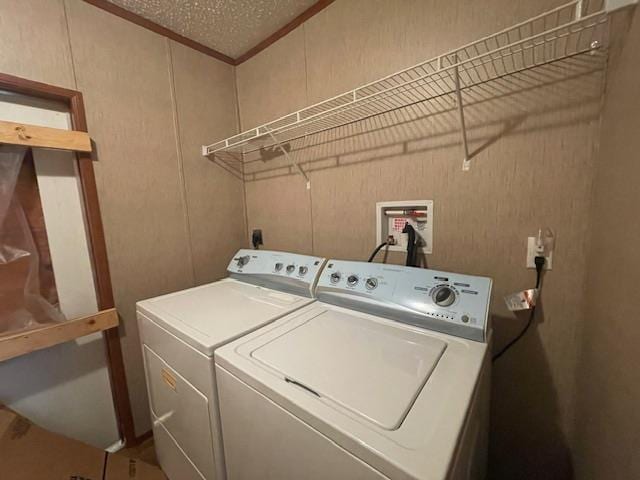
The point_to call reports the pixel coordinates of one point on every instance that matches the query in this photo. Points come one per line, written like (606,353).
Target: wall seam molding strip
(244,183)
(68,28)
(306,94)
(180,158)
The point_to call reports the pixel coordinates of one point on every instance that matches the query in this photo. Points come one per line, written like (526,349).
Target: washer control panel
(284,271)
(451,303)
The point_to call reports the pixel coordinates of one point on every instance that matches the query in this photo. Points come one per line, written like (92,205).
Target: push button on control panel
(352,280)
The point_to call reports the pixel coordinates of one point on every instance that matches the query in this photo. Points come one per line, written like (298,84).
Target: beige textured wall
(608,437)
(150,104)
(534,169)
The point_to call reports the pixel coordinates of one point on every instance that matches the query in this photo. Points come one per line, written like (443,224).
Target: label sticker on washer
(168,378)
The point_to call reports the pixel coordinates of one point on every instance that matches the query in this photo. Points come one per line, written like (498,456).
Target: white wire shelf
(560,33)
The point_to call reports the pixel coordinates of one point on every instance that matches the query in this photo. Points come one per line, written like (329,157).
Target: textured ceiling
(229,26)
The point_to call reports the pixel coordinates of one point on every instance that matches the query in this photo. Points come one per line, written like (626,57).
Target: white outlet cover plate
(531,255)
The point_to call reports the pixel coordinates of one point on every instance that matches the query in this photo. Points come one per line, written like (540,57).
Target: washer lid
(369,368)
(210,315)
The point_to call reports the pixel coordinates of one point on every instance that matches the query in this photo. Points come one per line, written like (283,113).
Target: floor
(144,452)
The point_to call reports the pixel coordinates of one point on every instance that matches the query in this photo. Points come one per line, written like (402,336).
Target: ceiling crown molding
(159,29)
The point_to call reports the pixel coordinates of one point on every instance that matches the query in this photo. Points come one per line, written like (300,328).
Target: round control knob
(371,283)
(242,261)
(279,266)
(290,268)
(443,296)
(302,271)
(335,277)
(352,280)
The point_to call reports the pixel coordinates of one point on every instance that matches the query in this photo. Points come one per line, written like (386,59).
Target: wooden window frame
(98,249)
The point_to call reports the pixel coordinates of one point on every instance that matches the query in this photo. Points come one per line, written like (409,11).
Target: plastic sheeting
(22,305)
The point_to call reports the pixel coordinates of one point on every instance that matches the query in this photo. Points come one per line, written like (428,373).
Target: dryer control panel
(289,272)
(446,302)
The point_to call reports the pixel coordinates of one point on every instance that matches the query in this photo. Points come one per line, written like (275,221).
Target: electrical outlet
(532,252)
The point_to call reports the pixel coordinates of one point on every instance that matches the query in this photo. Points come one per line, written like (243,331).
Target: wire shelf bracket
(563,32)
(466,162)
(289,159)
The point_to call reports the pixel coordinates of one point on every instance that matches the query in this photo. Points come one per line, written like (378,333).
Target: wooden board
(35,136)
(14,345)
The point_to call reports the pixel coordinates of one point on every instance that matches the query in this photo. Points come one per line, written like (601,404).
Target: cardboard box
(28,452)
(119,467)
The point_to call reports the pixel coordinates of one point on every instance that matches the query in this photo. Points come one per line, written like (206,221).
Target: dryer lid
(211,315)
(373,369)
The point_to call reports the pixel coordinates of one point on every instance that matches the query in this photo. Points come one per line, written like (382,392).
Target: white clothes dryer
(180,333)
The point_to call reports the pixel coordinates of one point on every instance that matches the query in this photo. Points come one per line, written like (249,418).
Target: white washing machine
(386,376)
(180,333)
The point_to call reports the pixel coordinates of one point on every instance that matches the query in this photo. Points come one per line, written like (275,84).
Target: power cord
(539,262)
